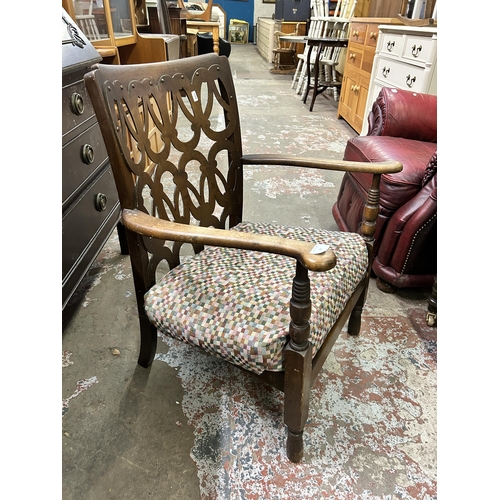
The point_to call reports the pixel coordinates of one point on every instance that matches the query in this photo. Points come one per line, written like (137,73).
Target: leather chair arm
(405,223)
(406,114)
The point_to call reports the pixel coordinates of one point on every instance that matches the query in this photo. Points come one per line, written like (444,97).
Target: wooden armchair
(284,53)
(269,299)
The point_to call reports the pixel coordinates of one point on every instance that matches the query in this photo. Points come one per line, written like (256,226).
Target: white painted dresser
(406,58)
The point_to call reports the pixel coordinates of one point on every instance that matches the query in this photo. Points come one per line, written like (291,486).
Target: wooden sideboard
(406,58)
(363,38)
(90,206)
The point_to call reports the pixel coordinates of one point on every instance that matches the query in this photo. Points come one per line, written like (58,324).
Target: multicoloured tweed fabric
(235,303)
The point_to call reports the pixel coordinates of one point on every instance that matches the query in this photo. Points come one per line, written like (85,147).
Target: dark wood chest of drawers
(90,206)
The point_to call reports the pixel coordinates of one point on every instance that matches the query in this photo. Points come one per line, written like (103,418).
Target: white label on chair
(195,97)
(319,248)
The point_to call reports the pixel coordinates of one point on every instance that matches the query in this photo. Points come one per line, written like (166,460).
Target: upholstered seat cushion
(235,303)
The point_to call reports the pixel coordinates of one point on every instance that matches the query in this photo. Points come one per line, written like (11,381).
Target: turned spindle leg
(298,363)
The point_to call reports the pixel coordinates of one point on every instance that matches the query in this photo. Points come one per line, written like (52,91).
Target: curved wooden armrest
(147,225)
(385,167)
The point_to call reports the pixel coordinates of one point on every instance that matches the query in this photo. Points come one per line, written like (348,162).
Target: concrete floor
(192,427)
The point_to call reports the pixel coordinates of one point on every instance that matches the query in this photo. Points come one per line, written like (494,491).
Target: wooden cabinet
(363,37)
(265,35)
(265,40)
(110,25)
(90,207)
(406,58)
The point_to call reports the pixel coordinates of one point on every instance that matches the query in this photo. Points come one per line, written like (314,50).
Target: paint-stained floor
(192,426)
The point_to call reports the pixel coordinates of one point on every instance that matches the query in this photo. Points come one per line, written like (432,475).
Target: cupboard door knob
(385,71)
(355,34)
(373,35)
(390,46)
(100,202)
(352,56)
(76,103)
(87,154)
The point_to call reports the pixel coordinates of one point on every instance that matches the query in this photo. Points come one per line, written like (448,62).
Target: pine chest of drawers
(363,38)
(406,58)
(90,207)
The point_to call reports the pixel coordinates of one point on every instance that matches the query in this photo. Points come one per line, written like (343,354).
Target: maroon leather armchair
(402,127)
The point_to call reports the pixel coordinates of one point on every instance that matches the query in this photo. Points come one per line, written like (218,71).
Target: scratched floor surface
(193,427)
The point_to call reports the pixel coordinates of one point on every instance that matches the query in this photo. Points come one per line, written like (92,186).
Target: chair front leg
(298,364)
(139,262)
(368,227)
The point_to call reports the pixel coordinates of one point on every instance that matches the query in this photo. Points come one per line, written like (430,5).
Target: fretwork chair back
(270,299)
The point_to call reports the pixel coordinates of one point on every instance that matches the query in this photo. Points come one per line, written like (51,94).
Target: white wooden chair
(323,25)
(339,28)
(284,53)
(318,10)
(86,20)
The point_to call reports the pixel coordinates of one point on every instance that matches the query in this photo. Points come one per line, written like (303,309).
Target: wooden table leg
(215,35)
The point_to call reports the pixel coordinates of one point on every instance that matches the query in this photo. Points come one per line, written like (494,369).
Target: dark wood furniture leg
(320,43)
(122,238)
(431,317)
(298,365)
(314,87)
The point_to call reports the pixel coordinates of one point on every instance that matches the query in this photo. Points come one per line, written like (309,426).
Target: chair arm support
(385,167)
(147,225)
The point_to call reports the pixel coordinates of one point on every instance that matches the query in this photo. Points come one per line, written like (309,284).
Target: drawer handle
(355,88)
(373,35)
(355,34)
(390,46)
(410,81)
(87,154)
(415,51)
(100,202)
(385,71)
(352,56)
(76,103)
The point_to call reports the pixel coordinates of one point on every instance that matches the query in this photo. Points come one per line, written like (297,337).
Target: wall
(262,9)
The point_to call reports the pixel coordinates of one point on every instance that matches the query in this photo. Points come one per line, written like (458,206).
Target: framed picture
(238,33)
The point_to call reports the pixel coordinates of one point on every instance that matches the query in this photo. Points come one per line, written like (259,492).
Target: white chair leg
(301,84)
(295,78)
